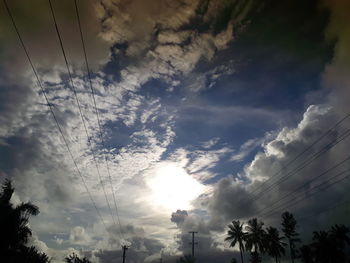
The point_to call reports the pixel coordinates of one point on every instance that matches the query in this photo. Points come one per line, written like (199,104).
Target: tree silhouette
(339,235)
(255,236)
(306,254)
(235,234)
(273,243)
(289,225)
(31,254)
(322,247)
(75,259)
(233,260)
(15,230)
(327,246)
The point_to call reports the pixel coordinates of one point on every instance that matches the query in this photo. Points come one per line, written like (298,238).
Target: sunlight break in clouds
(173,188)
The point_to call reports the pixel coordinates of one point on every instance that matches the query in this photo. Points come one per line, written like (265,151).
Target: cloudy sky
(206,111)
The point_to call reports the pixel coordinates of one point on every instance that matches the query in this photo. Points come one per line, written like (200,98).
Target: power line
(314,157)
(308,182)
(39,83)
(79,106)
(304,151)
(96,112)
(346,202)
(294,202)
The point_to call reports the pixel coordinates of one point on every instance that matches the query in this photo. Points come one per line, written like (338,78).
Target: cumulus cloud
(79,236)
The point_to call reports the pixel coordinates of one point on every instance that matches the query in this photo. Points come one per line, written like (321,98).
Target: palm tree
(289,225)
(323,247)
(15,230)
(273,243)
(235,234)
(339,236)
(14,220)
(255,236)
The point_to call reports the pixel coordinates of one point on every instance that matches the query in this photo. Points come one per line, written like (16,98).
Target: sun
(173,188)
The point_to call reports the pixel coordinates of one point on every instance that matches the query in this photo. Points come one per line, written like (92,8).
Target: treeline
(330,246)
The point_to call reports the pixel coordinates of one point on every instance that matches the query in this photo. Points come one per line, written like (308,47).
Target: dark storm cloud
(178,217)
(225,204)
(278,57)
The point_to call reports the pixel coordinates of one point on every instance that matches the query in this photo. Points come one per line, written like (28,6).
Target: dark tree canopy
(15,231)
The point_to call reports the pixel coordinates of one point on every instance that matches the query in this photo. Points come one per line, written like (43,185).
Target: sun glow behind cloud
(173,188)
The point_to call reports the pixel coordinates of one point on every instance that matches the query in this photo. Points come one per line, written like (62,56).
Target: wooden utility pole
(193,243)
(125,248)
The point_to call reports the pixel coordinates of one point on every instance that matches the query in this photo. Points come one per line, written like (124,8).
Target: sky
(207,111)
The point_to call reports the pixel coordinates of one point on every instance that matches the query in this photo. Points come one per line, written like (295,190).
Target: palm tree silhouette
(273,243)
(327,246)
(235,234)
(322,245)
(289,225)
(15,230)
(340,234)
(255,236)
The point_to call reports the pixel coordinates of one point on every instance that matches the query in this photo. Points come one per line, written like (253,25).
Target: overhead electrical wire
(335,166)
(294,202)
(314,157)
(96,112)
(73,88)
(302,152)
(300,187)
(297,169)
(339,204)
(39,83)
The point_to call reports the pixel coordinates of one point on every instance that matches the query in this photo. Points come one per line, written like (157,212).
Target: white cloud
(79,236)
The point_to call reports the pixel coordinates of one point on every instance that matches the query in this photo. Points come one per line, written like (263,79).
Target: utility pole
(125,248)
(193,243)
